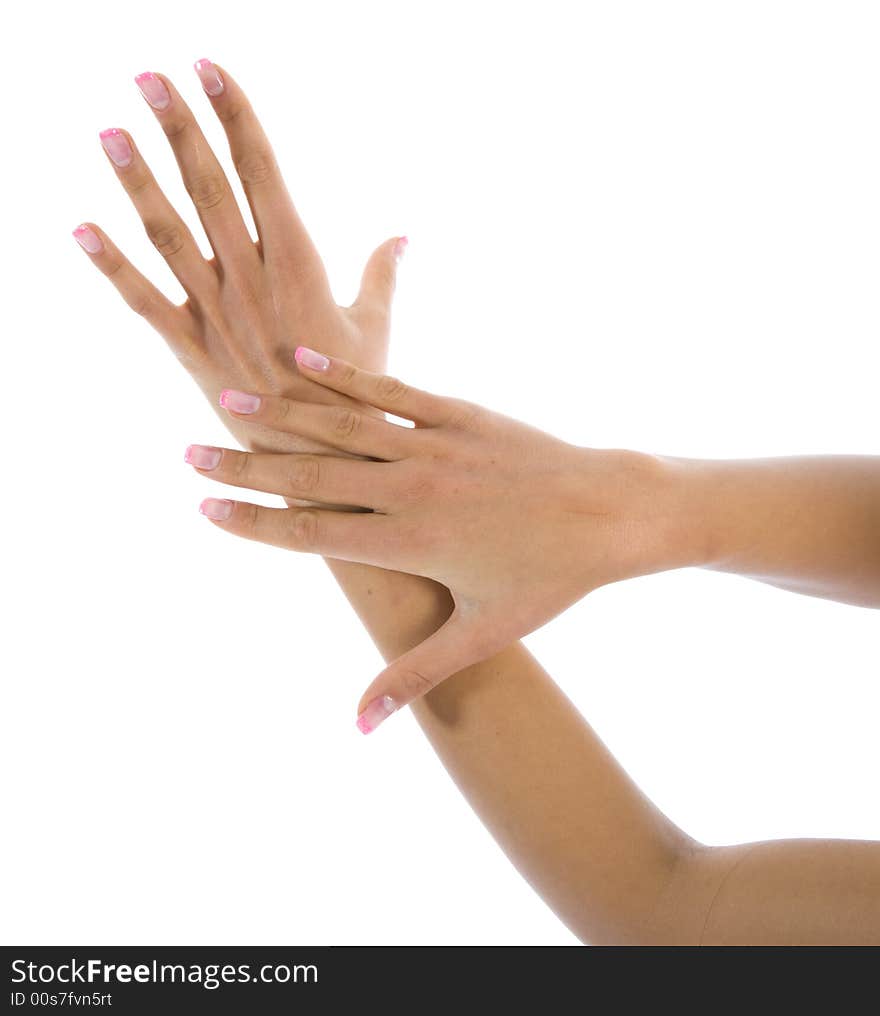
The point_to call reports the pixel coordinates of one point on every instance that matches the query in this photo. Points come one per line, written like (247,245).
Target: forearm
(600,854)
(810,524)
(565,813)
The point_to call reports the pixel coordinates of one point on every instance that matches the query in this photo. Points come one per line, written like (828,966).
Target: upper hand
(517,524)
(248,307)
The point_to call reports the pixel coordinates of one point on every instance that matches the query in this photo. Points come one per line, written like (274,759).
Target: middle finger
(203,176)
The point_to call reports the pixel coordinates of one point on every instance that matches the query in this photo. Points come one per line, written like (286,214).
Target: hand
(248,306)
(517,524)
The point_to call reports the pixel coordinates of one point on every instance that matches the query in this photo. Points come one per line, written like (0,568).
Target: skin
(612,866)
(488,507)
(476,501)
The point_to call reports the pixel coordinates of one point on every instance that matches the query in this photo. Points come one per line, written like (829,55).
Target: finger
(203,176)
(379,279)
(309,477)
(279,227)
(339,426)
(367,538)
(175,324)
(454,646)
(379,390)
(168,233)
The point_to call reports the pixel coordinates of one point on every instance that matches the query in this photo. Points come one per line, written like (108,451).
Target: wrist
(657,507)
(688,496)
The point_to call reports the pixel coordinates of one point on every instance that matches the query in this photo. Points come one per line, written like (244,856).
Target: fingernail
(375,713)
(309,358)
(88,239)
(239,402)
(209,77)
(116,146)
(153,90)
(400,247)
(216,508)
(203,456)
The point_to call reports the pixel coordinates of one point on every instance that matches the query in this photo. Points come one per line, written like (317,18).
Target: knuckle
(413,541)
(254,168)
(141,304)
(414,682)
(231,113)
(465,415)
(168,240)
(289,265)
(136,183)
(387,275)
(175,128)
(237,465)
(249,515)
(283,410)
(391,389)
(305,528)
(304,473)
(418,487)
(347,373)
(346,423)
(207,191)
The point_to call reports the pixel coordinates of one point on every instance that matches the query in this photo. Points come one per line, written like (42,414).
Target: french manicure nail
(239,402)
(375,713)
(116,146)
(400,247)
(88,239)
(309,358)
(203,456)
(209,77)
(216,508)
(153,90)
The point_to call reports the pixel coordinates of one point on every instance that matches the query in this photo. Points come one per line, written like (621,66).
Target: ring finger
(165,228)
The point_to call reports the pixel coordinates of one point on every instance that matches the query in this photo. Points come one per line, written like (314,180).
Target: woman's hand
(517,524)
(247,307)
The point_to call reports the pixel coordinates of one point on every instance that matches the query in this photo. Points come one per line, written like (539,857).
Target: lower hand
(517,524)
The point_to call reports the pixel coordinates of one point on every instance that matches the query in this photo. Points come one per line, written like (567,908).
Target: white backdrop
(633,224)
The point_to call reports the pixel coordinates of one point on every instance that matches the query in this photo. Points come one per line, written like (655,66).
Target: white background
(633,224)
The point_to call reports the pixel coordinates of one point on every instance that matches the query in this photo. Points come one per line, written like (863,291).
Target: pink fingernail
(88,239)
(376,712)
(239,402)
(116,146)
(203,456)
(400,247)
(209,77)
(216,508)
(153,90)
(309,358)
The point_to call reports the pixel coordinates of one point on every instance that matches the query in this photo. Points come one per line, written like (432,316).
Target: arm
(489,507)
(611,865)
(608,862)
(811,524)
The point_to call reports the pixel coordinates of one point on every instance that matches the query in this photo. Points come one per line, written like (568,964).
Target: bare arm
(611,865)
(490,507)
(602,856)
(808,524)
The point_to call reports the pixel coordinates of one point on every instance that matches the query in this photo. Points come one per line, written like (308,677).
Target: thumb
(380,276)
(454,646)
